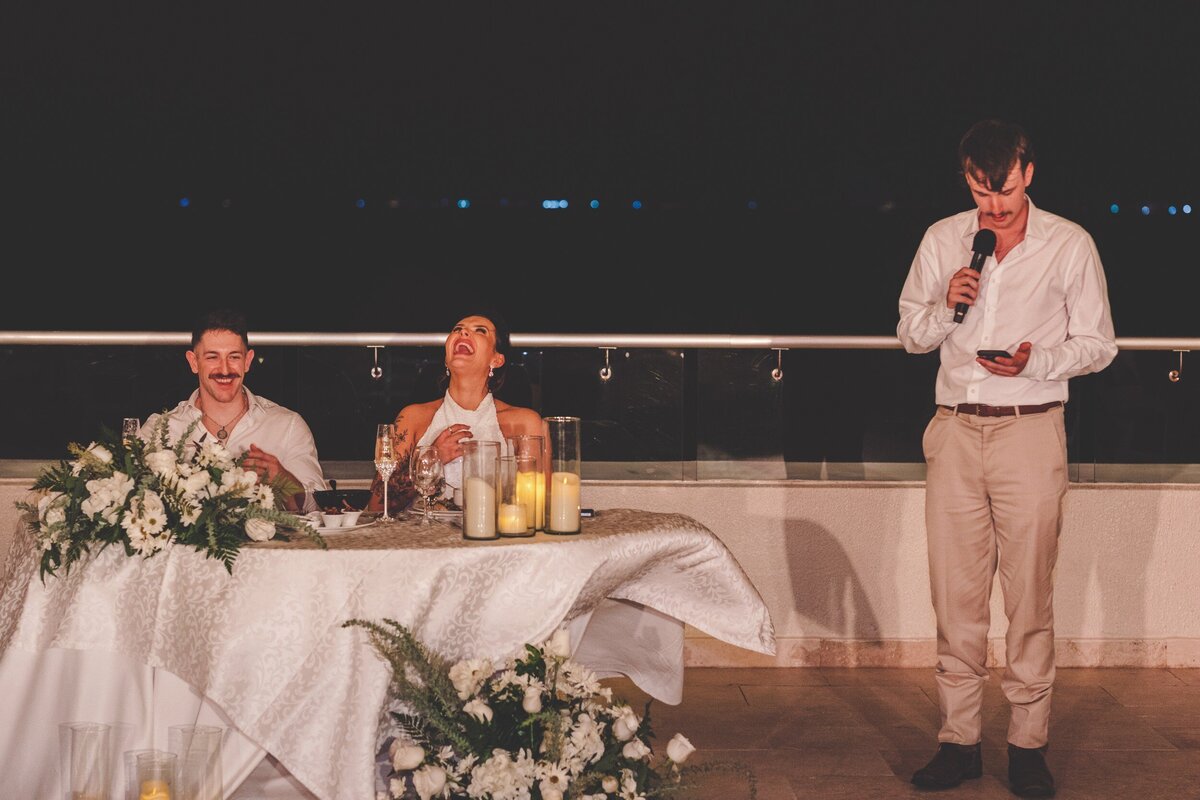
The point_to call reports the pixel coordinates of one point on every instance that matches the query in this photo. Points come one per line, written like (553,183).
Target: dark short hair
(990,148)
(222,319)
(503,342)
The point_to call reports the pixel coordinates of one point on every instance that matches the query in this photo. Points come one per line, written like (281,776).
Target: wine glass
(385,462)
(426,473)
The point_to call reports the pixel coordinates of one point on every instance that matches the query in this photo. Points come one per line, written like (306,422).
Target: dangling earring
(490,372)
(447,372)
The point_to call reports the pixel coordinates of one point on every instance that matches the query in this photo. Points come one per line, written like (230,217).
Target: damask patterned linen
(266,645)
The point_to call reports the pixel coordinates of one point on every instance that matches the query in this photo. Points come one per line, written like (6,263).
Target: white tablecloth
(263,650)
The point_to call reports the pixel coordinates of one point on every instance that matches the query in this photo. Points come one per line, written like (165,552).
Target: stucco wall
(842,568)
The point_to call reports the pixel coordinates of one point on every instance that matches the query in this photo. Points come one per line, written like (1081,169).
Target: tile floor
(860,733)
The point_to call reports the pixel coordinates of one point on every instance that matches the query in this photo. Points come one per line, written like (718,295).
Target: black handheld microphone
(984,245)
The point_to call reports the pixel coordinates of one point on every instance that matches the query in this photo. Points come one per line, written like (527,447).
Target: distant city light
(637,204)
(504,202)
(360,203)
(1171,210)
(1187,209)
(1114,208)
(184,202)
(562,203)
(1145,211)
(594,204)
(753,204)
(464,203)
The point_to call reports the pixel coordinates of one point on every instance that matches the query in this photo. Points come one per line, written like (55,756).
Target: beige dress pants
(993,496)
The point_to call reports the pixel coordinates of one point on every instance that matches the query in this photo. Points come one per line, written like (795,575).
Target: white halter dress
(484,428)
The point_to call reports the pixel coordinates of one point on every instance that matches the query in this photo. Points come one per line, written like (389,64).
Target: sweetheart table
(143,644)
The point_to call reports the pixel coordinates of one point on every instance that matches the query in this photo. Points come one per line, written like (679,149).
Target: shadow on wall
(825,587)
(1109,566)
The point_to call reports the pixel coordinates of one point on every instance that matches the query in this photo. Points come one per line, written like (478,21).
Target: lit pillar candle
(531,493)
(513,518)
(564,502)
(479,509)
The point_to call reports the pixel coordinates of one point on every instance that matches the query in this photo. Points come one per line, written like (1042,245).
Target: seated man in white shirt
(277,443)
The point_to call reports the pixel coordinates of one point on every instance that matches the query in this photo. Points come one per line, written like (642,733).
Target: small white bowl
(332,520)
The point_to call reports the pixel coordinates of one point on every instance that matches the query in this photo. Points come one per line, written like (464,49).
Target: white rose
(551,794)
(532,703)
(161,462)
(467,676)
(635,749)
(610,784)
(479,710)
(559,644)
(260,529)
(429,781)
(196,482)
(625,725)
(407,756)
(679,748)
(397,787)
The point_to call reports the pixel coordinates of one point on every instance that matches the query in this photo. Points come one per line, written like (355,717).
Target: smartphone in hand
(992,355)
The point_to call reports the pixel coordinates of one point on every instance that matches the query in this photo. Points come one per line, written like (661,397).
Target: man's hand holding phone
(1003,363)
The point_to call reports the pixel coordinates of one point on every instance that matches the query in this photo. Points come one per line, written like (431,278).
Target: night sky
(769,144)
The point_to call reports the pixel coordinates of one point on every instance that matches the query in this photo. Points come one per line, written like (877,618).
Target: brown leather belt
(981,410)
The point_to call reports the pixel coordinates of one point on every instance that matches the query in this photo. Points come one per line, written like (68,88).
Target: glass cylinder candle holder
(531,477)
(562,508)
(198,750)
(85,760)
(481,485)
(155,775)
(513,517)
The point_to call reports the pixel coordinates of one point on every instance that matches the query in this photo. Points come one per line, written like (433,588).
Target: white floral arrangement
(144,495)
(540,727)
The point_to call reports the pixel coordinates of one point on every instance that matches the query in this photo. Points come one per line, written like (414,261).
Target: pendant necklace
(222,433)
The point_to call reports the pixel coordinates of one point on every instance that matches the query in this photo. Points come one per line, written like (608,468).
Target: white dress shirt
(1049,290)
(275,429)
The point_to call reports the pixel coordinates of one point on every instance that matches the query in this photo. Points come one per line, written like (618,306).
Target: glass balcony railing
(653,407)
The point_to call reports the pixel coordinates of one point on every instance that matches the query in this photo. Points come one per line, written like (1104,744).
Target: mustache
(223,376)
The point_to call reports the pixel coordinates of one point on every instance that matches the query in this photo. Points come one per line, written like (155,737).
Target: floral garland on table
(541,727)
(142,495)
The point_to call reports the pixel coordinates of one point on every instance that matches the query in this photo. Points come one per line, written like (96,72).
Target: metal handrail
(527,340)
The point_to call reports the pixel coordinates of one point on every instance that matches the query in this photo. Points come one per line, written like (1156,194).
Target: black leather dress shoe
(951,765)
(1028,775)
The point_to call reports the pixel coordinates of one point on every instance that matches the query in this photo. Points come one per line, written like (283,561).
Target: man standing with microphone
(1030,312)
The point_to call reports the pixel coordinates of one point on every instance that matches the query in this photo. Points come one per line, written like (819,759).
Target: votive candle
(155,790)
(513,518)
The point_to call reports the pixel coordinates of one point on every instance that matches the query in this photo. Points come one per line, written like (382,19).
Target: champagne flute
(385,462)
(426,473)
(129,429)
